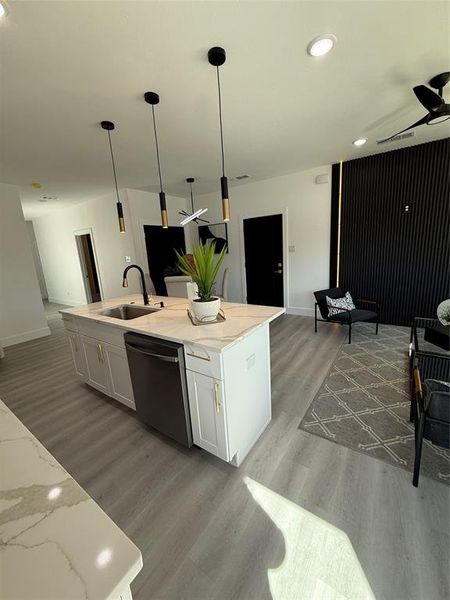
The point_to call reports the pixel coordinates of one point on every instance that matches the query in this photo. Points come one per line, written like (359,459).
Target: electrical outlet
(291,248)
(127,259)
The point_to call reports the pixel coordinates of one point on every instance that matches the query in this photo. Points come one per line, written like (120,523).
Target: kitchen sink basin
(125,312)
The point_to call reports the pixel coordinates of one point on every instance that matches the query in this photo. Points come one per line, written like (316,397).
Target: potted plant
(203,266)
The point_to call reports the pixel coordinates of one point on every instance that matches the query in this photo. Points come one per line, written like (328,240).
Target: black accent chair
(432,416)
(347,317)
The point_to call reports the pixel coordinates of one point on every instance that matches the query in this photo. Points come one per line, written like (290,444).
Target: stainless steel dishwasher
(158,377)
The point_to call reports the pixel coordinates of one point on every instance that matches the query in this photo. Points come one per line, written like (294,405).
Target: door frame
(87,291)
(266,213)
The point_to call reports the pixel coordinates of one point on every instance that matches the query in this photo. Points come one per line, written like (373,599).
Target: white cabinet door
(207,409)
(78,358)
(120,386)
(97,373)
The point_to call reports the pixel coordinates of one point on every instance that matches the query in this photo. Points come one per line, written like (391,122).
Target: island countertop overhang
(172,322)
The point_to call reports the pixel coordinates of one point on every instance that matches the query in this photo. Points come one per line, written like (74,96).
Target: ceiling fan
(438,110)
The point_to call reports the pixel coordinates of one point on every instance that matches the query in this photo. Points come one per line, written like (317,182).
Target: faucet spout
(144,287)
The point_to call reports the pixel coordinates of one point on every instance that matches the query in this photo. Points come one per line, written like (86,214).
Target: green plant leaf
(204,269)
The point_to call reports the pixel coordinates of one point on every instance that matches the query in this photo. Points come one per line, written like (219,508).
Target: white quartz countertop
(56,542)
(172,322)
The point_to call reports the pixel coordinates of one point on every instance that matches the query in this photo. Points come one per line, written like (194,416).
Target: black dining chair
(432,416)
(346,317)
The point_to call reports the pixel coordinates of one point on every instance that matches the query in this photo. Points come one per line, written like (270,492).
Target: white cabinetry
(100,358)
(119,378)
(206,401)
(229,395)
(79,361)
(97,375)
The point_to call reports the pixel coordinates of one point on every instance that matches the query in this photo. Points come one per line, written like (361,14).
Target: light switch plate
(127,259)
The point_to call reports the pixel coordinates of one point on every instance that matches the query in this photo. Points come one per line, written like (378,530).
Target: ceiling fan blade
(429,99)
(421,121)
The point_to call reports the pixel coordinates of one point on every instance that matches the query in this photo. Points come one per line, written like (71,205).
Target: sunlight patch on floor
(319,561)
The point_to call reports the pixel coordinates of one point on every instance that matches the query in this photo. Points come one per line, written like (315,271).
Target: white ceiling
(65,66)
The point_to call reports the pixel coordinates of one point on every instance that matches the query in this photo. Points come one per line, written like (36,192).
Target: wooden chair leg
(376,330)
(350,333)
(419,440)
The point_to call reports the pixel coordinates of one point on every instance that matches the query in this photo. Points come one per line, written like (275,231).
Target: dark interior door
(263,245)
(90,267)
(161,245)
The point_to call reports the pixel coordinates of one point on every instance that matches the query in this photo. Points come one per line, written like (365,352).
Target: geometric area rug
(364,402)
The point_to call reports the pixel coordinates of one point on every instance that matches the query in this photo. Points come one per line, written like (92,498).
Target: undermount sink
(125,312)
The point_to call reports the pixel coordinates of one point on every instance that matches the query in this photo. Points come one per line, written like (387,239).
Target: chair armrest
(361,301)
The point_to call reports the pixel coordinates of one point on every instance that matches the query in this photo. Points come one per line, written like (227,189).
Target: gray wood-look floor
(201,533)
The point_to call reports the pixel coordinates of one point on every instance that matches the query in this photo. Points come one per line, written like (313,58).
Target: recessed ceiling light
(360,142)
(321,45)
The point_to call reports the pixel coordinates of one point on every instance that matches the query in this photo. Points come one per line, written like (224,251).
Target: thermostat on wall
(322,178)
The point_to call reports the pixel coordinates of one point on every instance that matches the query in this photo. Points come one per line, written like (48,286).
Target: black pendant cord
(220,121)
(113,166)
(192,198)
(157,148)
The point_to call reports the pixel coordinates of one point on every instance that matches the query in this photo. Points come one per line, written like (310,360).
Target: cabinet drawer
(203,361)
(102,332)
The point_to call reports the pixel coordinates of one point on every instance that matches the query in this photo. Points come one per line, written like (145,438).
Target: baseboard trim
(66,302)
(26,336)
(303,312)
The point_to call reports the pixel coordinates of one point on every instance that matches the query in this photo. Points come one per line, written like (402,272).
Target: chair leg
(419,440)
(412,410)
(376,330)
(315,325)
(350,333)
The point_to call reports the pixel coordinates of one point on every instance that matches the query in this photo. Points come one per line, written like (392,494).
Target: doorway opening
(161,245)
(264,277)
(88,262)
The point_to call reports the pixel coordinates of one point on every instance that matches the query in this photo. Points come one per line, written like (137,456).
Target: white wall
(37,261)
(22,314)
(55,234)
(307,207)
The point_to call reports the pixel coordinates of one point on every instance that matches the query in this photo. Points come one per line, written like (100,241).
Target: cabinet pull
(75,343)
(102,356)
(216,397)
(208,358)
(98,352)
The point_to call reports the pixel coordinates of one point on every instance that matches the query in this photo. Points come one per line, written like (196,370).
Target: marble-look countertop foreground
(172,322)
(56,542)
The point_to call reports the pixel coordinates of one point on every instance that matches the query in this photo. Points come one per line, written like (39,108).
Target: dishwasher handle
(171,359)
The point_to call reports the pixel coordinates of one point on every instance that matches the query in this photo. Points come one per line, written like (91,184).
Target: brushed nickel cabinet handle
(75,343)
(216,397)
(207,358)
(102,356)
(98,353)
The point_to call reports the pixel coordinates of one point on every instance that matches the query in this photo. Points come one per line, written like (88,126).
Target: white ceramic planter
(205,311)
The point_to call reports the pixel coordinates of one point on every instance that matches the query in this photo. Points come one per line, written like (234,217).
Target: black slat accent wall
(395,230)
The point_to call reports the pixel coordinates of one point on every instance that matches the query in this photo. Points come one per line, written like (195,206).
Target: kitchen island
(56,542)
(227,364)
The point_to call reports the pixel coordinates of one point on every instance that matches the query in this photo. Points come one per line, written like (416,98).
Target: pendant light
(109,126)
(216,58)
(194,216)
(153,99)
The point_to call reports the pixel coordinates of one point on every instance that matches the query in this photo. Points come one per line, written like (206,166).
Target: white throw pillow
(335,305)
